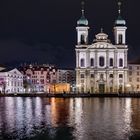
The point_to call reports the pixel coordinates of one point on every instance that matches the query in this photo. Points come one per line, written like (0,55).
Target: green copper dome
(120,21)
(82,21)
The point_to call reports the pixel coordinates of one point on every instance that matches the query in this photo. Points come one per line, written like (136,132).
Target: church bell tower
(120,28)
(82,28)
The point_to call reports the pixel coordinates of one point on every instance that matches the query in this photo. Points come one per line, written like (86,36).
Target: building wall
(11,82)
(134,77)
(38,77)
(60,88)
(91,78)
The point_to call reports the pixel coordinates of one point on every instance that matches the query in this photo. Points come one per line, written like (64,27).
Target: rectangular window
(130,79)
(82,75)
(92,75)
(138,79)
(130,72)
(111,75)
(120,76)
(138,73)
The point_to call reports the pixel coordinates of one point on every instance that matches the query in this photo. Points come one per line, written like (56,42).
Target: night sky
(43,31)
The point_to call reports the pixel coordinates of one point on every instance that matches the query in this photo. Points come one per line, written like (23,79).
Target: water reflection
(79,119)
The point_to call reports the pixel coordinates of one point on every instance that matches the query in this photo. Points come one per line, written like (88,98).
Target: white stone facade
(11,81)
(101,67)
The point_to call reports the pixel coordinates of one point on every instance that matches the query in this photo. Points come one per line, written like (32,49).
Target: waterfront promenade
(72,95)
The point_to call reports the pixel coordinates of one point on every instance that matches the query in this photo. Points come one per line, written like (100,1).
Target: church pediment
(102,45)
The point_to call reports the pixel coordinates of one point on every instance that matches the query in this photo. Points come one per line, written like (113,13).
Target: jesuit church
(101,67)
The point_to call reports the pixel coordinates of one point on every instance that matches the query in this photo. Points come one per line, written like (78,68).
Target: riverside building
(11,81)
(134,76)
(101,67)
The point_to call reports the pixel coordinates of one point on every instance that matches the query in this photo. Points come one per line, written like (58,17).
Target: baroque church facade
(101,67)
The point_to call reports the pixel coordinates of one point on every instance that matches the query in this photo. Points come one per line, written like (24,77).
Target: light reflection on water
(69,119)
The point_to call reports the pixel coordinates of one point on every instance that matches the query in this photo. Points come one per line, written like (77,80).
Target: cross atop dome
(82,21)
(120,21)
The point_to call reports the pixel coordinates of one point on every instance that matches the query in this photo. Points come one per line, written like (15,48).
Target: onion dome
(82,21)
(120,21)
(101,37)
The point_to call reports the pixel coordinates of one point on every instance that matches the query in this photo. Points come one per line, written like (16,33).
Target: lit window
(101,61)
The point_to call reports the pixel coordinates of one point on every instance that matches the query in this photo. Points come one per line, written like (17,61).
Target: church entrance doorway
(101,88)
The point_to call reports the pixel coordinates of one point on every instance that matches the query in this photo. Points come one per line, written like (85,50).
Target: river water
(69,119)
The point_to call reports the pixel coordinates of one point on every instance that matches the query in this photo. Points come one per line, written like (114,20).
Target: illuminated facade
(37,78)
(47,78)
(101,67)
(11,81)
(60,88)
(134,77)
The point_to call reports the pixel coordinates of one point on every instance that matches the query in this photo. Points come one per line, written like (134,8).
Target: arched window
(82,39)
(101,61)
(91,62)
(120,62)
(120,38)
(111,62)
(82,63)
